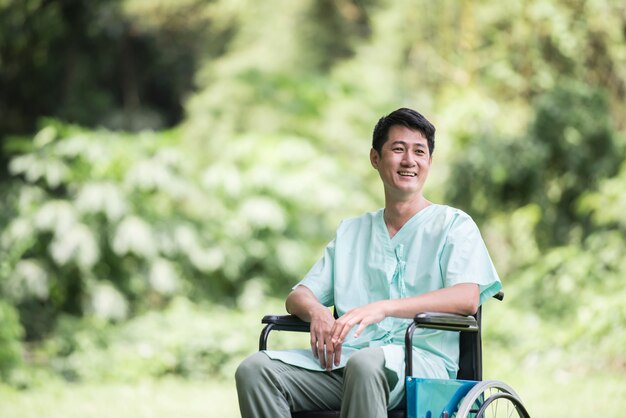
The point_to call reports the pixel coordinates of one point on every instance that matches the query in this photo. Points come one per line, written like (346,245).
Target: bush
(11,333)
(110,225)
(185,339)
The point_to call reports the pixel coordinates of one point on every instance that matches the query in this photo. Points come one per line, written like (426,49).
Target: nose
(407,159)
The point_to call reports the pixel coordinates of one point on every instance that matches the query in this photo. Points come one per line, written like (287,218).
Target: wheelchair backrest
(470,353)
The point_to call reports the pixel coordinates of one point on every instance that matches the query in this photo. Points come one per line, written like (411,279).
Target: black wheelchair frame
(483,397)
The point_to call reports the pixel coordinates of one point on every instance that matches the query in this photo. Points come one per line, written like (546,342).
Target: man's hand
(362,316)
(303,303)
(328,334)
(323,348)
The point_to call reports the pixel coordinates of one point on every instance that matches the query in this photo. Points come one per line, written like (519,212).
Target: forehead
(400,133)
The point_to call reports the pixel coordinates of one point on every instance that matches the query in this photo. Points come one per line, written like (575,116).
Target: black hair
(405,117)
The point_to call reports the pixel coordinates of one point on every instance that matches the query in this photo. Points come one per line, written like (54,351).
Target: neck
(397,213)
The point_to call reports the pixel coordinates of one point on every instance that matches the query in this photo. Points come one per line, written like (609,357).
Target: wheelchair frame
(473,404)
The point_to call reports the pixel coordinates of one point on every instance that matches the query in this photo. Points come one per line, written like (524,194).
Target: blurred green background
(170,168)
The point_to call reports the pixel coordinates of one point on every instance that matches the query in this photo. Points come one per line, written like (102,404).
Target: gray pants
(272,389)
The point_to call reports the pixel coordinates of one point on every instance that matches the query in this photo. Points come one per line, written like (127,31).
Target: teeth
(406,173)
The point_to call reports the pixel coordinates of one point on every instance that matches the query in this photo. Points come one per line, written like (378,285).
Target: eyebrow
(401,142)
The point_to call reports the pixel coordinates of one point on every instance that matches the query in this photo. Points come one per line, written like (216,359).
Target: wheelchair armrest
(445,321)
(286,323)
(281,323)
(438,321)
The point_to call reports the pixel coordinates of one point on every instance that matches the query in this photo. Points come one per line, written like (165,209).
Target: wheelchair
(468,396)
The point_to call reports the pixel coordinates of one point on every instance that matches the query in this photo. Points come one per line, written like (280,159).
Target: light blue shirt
(438,247)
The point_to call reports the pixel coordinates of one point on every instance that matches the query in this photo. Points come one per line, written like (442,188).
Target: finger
(336,332)
(334,328)
(321,355)
(330,352)
(346,329)
(337,327)
(361,327)
(314,346)
(342,326)
(337,354)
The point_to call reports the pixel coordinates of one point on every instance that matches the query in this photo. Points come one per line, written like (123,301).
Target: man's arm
(303,303)
(460,299)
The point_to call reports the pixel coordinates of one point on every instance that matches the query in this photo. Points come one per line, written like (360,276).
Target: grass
(553,381)
(554,395)
(148,399)
(601,394)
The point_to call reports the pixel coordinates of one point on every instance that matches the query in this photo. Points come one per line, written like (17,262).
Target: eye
(397,149)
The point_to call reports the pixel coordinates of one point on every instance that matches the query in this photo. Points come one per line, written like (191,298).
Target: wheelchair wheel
(492,399)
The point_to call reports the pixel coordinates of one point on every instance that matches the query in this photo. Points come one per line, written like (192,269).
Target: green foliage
(107,224)
(180,340)
(76,242)
(550,204)
(116,63)
(104,234)
(569,147)
(185,339)
(573,126)
(10,335)
(607,205)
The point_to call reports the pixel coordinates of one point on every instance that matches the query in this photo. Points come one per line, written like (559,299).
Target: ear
(374,158)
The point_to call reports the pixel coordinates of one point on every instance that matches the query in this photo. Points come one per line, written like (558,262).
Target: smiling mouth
(407,174)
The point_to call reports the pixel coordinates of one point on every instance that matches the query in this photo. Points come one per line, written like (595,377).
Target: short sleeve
(465,258)
(320,278)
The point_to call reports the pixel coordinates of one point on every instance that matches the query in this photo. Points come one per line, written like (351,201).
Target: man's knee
(368,363)
(251,370)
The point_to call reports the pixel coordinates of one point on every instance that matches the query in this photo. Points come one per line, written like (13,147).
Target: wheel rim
(502,405)
(491,399)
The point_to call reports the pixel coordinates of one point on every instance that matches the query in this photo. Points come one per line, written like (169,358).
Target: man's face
(404,161)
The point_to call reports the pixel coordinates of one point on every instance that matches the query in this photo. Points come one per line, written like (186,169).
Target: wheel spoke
(492,399)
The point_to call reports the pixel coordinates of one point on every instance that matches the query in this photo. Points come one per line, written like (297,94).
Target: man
(381,269)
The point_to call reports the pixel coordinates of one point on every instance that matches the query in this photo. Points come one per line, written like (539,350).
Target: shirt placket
(397,290)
